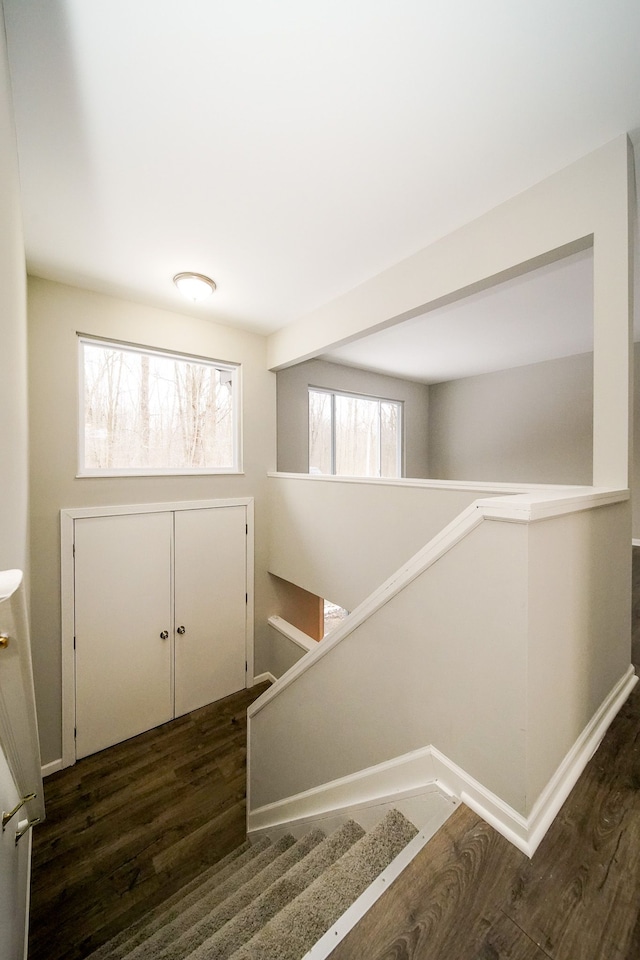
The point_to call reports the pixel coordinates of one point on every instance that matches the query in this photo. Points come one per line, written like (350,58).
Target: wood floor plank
(130,825)
(428,909)
(506,941)
(590,857)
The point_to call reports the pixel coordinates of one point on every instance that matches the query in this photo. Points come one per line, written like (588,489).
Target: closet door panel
(122,606)
(210,604)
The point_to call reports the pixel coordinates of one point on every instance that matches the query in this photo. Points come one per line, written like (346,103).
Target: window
(144,411)
(354,436)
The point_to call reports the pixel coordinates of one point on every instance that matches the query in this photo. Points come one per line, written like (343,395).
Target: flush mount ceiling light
(194,286)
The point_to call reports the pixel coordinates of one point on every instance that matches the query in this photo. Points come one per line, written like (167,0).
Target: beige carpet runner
(265,901)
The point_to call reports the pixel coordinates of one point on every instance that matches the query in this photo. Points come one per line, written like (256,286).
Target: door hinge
(246,598)
(75,732)
(74,643)
(246,529)
(246,666)
(74,550)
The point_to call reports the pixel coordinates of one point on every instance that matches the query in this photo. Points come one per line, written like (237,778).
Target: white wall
(56,312)
(282,652)
(531,424)
(502,646)
(421,671)
(293,410)
(13,341)
(579,625)
(341,539)
(14,484)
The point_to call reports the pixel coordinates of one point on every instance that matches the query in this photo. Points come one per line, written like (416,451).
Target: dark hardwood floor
(128,826)
(470,895)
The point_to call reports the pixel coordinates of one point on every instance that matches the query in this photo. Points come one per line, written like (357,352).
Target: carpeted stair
(265,901)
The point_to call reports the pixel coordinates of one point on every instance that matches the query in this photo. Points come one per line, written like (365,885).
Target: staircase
(270,900)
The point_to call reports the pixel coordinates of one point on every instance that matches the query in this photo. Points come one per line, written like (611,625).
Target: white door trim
(67,520)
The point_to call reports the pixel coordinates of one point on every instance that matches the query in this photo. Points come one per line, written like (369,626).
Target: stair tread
(269,901)
(209,921)
(252,918)
(300,924)
(120,945)
(162,937)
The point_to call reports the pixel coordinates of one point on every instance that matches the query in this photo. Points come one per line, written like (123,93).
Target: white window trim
(359,396)
(236,469)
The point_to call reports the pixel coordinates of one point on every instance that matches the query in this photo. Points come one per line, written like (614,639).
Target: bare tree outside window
(354,436)
(320,419)
(148,411)
(390,439)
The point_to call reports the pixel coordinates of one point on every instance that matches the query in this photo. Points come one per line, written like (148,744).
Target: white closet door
(122,607)
(210,605)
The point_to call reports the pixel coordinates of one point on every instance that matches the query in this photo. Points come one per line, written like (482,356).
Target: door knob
(181,630)
(164,635)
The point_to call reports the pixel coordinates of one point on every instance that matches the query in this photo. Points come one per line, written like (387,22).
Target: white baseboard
(261,677)
(56,765)
(635,543)
(423,768)
(53,767)
(412,771)
(565,778)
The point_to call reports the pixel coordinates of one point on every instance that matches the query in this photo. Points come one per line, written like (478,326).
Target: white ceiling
(293,150)
(541,315)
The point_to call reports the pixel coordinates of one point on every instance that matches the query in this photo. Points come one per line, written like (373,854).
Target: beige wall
(541,599)
(13,343)
(293,417)
(56,313)
(532,424)
(342,538)
(420,671)
(579,614)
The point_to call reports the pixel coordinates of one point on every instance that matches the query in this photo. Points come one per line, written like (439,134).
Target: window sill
(128,474)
